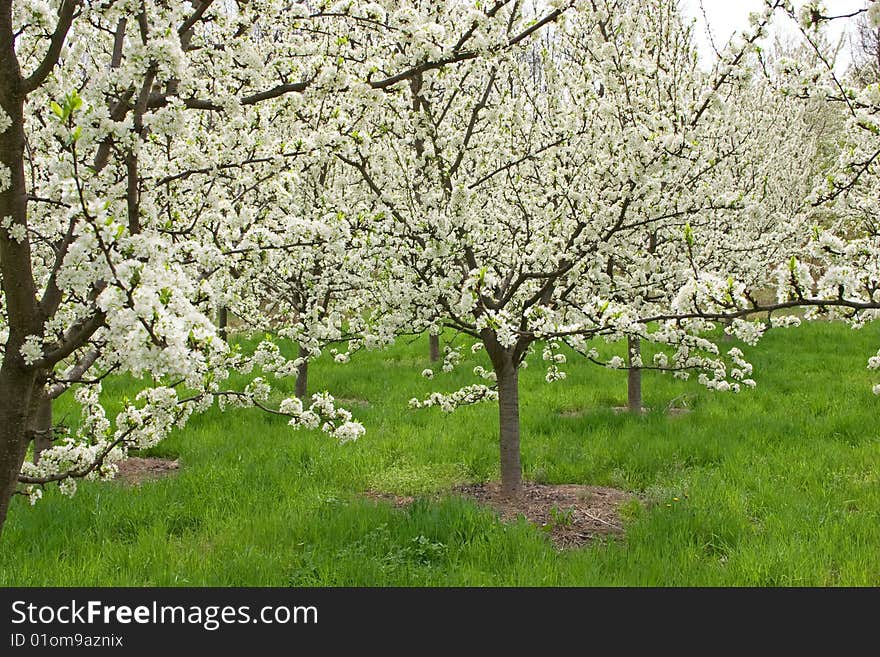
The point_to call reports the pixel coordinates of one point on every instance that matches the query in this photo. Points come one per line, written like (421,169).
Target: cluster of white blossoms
(98,445)
(785,321)
(748,332)
(5,121)
(616,363)
(5,178)
(451,358)
(554,374)
(874,364)
(322,413)
(483,373)
(794,280)
(469,395)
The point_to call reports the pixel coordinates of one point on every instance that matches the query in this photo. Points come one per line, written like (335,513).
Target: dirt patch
(669,411)
(678,411)
(582,412)
(135,470)
(625,409)
(571,514)
(398,501)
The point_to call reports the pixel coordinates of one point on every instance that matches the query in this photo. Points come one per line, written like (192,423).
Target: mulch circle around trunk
(135,470)
(571,514)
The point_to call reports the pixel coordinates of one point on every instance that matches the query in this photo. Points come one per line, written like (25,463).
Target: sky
(728,16)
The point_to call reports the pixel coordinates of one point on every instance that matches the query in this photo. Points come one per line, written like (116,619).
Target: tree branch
(66,14)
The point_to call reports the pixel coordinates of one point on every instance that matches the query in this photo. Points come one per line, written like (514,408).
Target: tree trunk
(222,322)
(42,426)
(634,375)
(434,343)
(302,377)
(23,316)
(508,421)
(16,391)
(505,365)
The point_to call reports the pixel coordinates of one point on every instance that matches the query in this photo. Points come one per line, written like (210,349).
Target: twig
(604,522)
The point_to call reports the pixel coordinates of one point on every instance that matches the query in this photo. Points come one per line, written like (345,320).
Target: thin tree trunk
(302,377)
(223,322)
(434,343)
(504,364)
(508,421)
(41,426)
(634,375)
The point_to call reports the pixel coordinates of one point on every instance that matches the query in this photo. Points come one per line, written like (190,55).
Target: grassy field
(776,486)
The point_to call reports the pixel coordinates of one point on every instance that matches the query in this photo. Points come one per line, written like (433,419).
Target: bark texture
(301,390)
(17,380)
(505,363)
(42,427)
(223,322)
(634,376)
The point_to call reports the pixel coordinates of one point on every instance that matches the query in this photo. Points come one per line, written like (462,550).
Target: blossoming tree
(523,207)
(115,120)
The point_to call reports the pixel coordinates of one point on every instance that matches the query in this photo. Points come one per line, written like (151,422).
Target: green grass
(777,486)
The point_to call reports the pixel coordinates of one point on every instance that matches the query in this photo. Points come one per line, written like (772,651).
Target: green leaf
(689,235)
(73,101)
